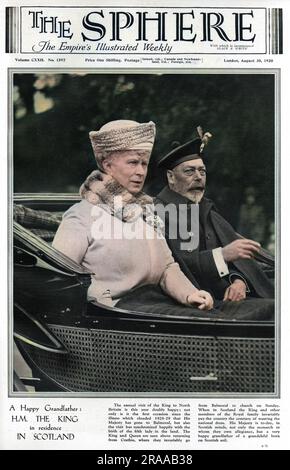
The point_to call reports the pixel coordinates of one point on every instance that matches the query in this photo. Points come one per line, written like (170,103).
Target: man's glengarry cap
(122,135)
(189,151)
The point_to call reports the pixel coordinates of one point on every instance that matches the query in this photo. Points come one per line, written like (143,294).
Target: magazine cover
(145,228)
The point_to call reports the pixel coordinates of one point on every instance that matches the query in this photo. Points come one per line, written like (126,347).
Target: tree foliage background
(53,114)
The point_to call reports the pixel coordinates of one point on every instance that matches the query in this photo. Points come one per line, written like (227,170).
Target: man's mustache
(197,186)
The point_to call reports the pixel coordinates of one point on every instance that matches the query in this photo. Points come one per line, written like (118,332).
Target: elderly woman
(113,231)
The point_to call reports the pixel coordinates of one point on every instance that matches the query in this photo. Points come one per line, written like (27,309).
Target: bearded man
(220,260)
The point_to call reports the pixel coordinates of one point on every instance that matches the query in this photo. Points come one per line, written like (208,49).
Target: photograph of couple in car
(144,232)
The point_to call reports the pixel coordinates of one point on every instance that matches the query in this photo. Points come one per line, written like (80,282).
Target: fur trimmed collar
(101,189)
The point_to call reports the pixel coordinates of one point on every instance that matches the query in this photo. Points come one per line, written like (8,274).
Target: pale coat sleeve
(173,282)
(71,237)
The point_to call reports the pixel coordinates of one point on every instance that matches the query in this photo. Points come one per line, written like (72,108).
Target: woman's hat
(122,135)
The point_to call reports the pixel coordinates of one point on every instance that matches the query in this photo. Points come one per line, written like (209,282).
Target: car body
(72,345)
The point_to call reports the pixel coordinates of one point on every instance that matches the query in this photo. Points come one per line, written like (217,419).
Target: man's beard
(195,195)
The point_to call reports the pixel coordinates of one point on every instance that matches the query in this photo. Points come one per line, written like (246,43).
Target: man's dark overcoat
(198,264)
